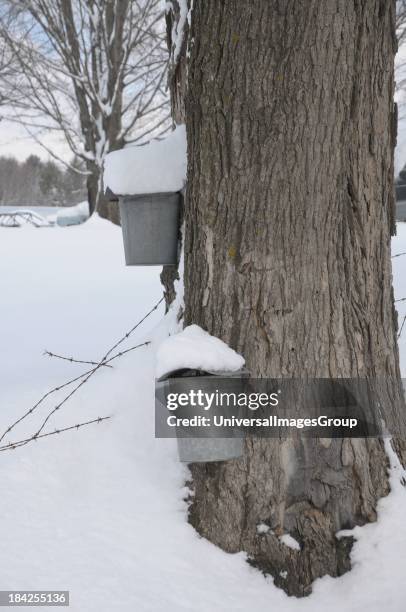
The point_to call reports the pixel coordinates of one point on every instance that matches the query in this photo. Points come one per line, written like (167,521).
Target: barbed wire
(401,299)
(402,326)
(14,445)
(69,382)
(83,382)
(73,360)
(84,378)
(104,363)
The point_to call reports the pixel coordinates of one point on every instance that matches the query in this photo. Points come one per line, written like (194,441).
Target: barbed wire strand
(14,445)
(69,382)
(73,360)
(107,362)
(67,397)
(398,255)
(99,365)
(85,376)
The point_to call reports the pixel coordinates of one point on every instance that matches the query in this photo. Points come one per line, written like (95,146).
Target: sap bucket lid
(194,372)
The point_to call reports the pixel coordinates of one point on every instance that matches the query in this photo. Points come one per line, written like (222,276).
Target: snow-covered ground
(100,511)
(399,279)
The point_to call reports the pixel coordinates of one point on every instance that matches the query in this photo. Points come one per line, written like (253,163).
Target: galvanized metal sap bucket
(150,226)
(202,450)
(211,447)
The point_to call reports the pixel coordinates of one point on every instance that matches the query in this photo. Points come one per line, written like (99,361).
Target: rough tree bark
(177,81)
(97,200)
(289,213)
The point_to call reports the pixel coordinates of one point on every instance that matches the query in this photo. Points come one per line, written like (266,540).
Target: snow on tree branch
(92,71)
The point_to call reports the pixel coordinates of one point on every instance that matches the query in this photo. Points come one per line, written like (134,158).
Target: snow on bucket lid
(156,167)
(196,349)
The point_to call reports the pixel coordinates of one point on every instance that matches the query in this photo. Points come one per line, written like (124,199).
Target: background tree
(73,184)
(50,179)
(35,182)
(401,21)
(288,219)
(401,37)
(9,179)
(91,71)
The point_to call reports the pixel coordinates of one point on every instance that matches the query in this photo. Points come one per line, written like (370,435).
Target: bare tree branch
(401,21)
(91,71)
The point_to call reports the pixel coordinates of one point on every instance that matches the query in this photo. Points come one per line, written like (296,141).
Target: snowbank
(73,215)
(157,167)
(195,348)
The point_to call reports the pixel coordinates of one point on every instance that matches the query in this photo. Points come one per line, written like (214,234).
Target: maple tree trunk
(289,213)
(99,202)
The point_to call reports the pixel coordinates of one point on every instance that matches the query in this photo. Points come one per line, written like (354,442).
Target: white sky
(16,142)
